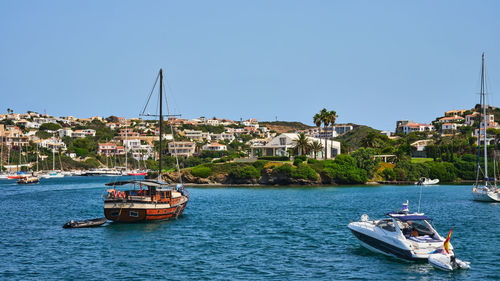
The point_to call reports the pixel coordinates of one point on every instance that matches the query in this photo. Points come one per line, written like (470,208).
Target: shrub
(201,171)
(388,174)
(275,158)
(283,170)
(297,161)
(259,164)
(312,161)
(303,171)
(247,172)
(212,154)
(344,170)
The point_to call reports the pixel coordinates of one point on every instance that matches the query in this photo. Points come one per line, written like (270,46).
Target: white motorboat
(427,181)
(104,172)
(484,189)
(404,235)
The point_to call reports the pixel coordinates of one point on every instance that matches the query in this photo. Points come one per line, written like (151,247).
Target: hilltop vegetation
(284,126)
(352,139)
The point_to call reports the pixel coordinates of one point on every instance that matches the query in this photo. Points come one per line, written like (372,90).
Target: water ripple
(234,234)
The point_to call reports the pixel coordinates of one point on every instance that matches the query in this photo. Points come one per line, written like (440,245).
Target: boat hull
(485,196)
(377,245)
(130,213)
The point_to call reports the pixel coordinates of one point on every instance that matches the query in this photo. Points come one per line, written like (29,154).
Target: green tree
(302,144)
(365,160)
(50,126)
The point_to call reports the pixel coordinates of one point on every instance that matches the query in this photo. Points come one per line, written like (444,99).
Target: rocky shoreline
(267,179)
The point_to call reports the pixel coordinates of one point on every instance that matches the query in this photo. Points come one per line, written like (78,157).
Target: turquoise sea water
(295,233)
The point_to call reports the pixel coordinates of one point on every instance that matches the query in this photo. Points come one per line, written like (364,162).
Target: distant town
(29,139)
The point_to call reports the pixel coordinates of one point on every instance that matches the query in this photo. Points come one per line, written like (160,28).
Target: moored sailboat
(484,189)
(149,199)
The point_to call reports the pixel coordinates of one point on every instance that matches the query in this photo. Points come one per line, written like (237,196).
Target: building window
(282,141)
(334,152)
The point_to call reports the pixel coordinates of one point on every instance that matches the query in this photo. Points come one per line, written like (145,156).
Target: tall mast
(125,146)
(161,121)
(483,94)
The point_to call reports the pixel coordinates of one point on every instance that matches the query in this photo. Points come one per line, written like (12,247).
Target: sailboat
(485,189)
(53,173)
(149,200)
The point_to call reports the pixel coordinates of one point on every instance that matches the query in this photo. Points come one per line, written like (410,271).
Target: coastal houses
(13,136)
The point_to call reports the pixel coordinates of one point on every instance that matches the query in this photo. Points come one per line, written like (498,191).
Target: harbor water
(268,233)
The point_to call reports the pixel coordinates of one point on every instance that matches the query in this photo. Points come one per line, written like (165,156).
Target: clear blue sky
(374,62)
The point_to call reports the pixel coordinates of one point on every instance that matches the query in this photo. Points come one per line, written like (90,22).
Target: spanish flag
(447,242)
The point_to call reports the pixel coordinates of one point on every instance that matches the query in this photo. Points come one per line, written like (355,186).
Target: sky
(373,62)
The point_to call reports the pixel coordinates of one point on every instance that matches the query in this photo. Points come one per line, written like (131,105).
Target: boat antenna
(419,198)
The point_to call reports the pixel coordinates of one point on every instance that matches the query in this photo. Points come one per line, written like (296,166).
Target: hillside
(354,137)
(284,126)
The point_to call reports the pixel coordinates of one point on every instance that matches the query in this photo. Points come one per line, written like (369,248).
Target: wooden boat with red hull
(149,200)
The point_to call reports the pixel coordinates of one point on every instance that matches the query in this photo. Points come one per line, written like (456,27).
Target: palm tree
(325,116)
(316,147)
(302,144)
(318,120)
(331,117)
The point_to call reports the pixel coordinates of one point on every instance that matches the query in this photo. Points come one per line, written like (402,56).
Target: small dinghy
(444,257)
(447,262)
(85,223)
(427,181)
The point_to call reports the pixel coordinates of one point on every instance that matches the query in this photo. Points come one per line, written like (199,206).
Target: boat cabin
(149,191)
(412,226)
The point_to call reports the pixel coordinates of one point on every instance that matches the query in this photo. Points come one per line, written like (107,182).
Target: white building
(224,136)
(182,148)
(450,126)
(139,151)
(213,122)
(53,144)
(279,145)
(417,127)
(65,132)
(197,135)
(214,147)
(83,133)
